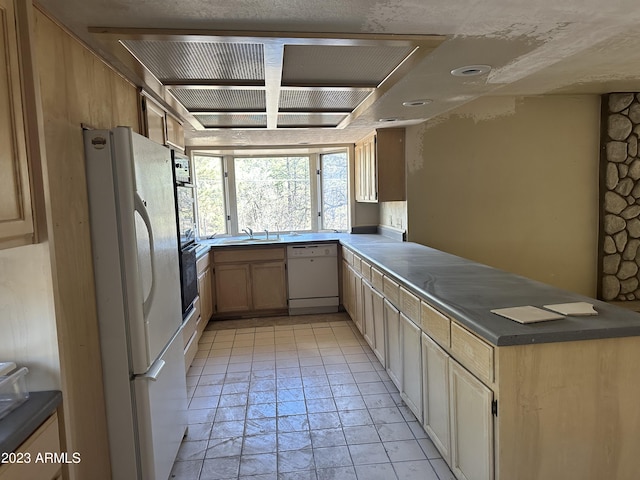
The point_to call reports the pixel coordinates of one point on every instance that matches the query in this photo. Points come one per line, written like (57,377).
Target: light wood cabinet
(379,347)
(190,334)
(205,288)
(44,441)
(380,166)
(154,120)
(267,285)
(16,214)
(435,387)
(393,343)
(233,287)
(175,132)
(471,425)
(411,391)
(250,280)
(368,314)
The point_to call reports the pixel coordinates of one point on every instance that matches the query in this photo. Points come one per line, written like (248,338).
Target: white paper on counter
(527,314)
(574,308)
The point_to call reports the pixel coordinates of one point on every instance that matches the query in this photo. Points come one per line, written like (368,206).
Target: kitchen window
(279,193)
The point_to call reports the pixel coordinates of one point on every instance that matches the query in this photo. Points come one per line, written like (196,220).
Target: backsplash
(619,239)
(394,214)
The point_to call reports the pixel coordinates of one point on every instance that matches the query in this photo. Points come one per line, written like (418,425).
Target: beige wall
(77,88)
(512,183)
(28,335)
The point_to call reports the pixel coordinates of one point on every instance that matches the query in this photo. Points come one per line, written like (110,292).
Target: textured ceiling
(541,47)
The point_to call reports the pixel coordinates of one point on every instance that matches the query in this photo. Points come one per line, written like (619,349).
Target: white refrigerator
(135,254)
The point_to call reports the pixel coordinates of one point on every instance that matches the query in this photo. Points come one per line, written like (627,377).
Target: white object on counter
(574,308)
(527,314)
(6,367)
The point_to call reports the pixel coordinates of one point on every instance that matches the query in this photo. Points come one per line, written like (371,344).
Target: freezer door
(161,410)
(149,243)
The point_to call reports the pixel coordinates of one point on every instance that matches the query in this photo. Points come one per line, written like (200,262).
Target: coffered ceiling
(290,72)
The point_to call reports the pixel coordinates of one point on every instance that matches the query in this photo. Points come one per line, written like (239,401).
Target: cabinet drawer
(410,305)
(248,255)
(189,327)
(365,270)
(203,262)
(190,351)
(377,279)
(391,290)
(45,439)
(357,263)
(436,325)
(347,255)
(472,352)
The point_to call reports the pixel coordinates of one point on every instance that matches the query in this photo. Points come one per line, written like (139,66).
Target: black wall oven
(188,276)
(186,218)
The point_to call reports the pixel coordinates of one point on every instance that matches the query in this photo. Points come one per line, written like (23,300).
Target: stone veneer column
(619,256)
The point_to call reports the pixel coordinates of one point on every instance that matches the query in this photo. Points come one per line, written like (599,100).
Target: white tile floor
(299,398)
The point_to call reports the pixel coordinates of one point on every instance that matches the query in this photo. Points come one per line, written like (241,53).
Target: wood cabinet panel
(16,215)
(175,132)
(268,285)
(411,391)
(471,425)
(410,305)
(377,279)
(379,166)
(472,352)
(393,343)
(391,291)
(233,287)
(368,314)
(435,386)
(46,439)
(154,121)
(248,255)
(437,325)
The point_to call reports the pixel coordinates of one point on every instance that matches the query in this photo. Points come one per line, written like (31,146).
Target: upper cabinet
(16,212)
(160,126)
(379,166)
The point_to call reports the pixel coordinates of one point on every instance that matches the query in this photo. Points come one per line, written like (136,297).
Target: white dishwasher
(313,278)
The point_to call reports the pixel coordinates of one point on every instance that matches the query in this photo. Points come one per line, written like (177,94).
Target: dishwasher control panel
(312,250)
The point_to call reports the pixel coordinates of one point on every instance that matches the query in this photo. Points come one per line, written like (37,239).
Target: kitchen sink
(252,240)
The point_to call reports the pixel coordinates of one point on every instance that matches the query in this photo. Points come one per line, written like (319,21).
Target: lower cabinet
(471,425)
(393,343)
(411,391)
(45,441)
(379,345)
(250,280)
(205,288)
(367,313)
(435,386)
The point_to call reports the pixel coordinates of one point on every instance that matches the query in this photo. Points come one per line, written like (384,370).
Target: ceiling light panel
(225,100)
(291,120)
(318,100)
(175,62)
(229,120)
(340,65)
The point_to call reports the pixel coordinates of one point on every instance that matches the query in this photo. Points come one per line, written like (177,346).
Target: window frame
(315,180)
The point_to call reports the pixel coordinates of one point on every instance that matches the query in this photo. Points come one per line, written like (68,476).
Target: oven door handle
(142,210)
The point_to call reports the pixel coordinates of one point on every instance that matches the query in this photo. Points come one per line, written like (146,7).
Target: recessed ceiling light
(388,119)
(471,70)
(417,103)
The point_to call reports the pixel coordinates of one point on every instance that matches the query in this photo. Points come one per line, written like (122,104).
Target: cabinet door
(378,327)
(358,307)
(471,425)
(394,341)
(358,172)
(204,291)
(233,287)
(367,314)
(412,366)
(155,121)
(16,216)
(346,288)
(371,170)
(435,389)
(268,285)
(175,132)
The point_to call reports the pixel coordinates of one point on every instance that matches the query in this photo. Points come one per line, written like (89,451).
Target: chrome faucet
(248,231)
(267,232)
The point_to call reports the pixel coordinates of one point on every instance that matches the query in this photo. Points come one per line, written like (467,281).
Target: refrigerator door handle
(141,209)
(154,371)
